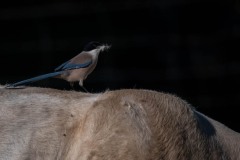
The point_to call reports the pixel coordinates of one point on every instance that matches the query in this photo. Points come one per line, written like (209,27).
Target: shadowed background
(187,47)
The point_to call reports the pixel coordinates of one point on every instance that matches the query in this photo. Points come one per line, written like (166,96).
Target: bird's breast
(76,75)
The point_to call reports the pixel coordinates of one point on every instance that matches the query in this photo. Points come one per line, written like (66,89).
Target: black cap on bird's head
(92,45)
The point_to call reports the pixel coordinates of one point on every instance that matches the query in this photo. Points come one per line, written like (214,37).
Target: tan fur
(49,124)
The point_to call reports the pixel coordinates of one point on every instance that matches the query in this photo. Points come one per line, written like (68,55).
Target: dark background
(185,47)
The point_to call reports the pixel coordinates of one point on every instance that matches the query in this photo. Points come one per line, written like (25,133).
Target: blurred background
(189,48)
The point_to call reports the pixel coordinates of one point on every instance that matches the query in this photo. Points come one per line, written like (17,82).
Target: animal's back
(38,123)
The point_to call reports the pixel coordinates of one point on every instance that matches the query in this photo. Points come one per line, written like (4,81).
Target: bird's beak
(104,47)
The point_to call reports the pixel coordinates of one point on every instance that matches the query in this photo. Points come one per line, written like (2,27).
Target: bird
(76,69)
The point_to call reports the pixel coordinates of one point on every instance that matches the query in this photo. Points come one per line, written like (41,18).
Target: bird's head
(98,47)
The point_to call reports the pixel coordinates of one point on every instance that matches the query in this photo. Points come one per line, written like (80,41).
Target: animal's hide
(38,123)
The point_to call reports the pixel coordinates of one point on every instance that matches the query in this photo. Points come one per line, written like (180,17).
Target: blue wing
(34,79)
(70,66)
(61,66)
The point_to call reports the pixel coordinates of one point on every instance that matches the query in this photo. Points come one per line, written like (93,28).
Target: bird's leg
(84,89)
(81,85)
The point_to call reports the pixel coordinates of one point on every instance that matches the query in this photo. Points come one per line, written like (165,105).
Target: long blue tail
(34,79)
